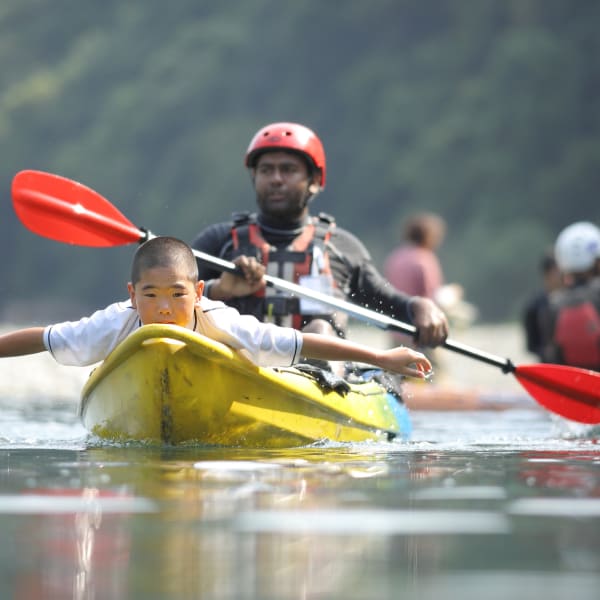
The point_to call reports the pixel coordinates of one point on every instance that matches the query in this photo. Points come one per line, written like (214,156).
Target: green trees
(485,112)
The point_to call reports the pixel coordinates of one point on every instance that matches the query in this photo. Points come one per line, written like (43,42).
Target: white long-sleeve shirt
(92,338)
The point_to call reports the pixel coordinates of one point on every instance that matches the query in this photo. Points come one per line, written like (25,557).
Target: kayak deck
(170,385)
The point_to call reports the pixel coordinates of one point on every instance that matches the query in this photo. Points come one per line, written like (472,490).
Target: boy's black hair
(164,251)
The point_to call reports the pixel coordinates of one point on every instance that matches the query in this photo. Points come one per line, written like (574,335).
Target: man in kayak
(165,288)
(571,323)
(287,168)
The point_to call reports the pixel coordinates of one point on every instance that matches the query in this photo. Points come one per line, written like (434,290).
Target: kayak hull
(167,384)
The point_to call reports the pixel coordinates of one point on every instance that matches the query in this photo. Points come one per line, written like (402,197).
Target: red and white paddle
(64,210)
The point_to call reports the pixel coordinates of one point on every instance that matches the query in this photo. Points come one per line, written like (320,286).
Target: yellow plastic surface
(168,384)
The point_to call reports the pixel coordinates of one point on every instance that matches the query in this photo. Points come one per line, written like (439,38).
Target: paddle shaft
(381,320)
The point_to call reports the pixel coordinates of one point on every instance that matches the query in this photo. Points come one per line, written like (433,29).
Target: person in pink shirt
(413,267)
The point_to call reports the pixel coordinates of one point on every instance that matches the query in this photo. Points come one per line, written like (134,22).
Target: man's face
(282,181)
(165,295)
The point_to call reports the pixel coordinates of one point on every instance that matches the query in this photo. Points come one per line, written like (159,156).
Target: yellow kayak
(167,384)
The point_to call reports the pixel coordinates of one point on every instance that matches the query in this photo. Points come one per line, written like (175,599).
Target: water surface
(476,505)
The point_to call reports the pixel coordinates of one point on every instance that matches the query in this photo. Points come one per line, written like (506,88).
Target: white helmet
(577,247)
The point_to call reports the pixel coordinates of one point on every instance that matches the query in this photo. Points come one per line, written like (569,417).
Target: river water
(477,504)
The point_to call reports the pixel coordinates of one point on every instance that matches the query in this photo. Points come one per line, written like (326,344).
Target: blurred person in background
(414,267)
(571,321)
(537,306)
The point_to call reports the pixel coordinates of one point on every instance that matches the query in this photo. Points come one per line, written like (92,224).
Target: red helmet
(288,136)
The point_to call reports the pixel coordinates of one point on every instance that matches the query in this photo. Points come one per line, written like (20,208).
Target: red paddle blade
(69,212)
(567,391)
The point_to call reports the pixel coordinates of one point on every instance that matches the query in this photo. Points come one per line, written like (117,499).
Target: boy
(164,288)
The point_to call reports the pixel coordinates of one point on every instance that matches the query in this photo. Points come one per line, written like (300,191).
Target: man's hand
(430,321)
(230,285)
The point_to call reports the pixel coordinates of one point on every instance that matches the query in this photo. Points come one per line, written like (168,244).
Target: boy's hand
(406,361)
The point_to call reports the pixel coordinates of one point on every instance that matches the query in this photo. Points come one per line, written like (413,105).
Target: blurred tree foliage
(486,111)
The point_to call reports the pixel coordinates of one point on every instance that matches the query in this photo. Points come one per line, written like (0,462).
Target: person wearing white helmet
(287,167)
(571,325)
(577,250)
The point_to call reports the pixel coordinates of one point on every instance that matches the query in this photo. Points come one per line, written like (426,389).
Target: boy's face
(165,295)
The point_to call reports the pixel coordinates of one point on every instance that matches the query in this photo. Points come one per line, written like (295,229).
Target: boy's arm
(405,361)
(22,341)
